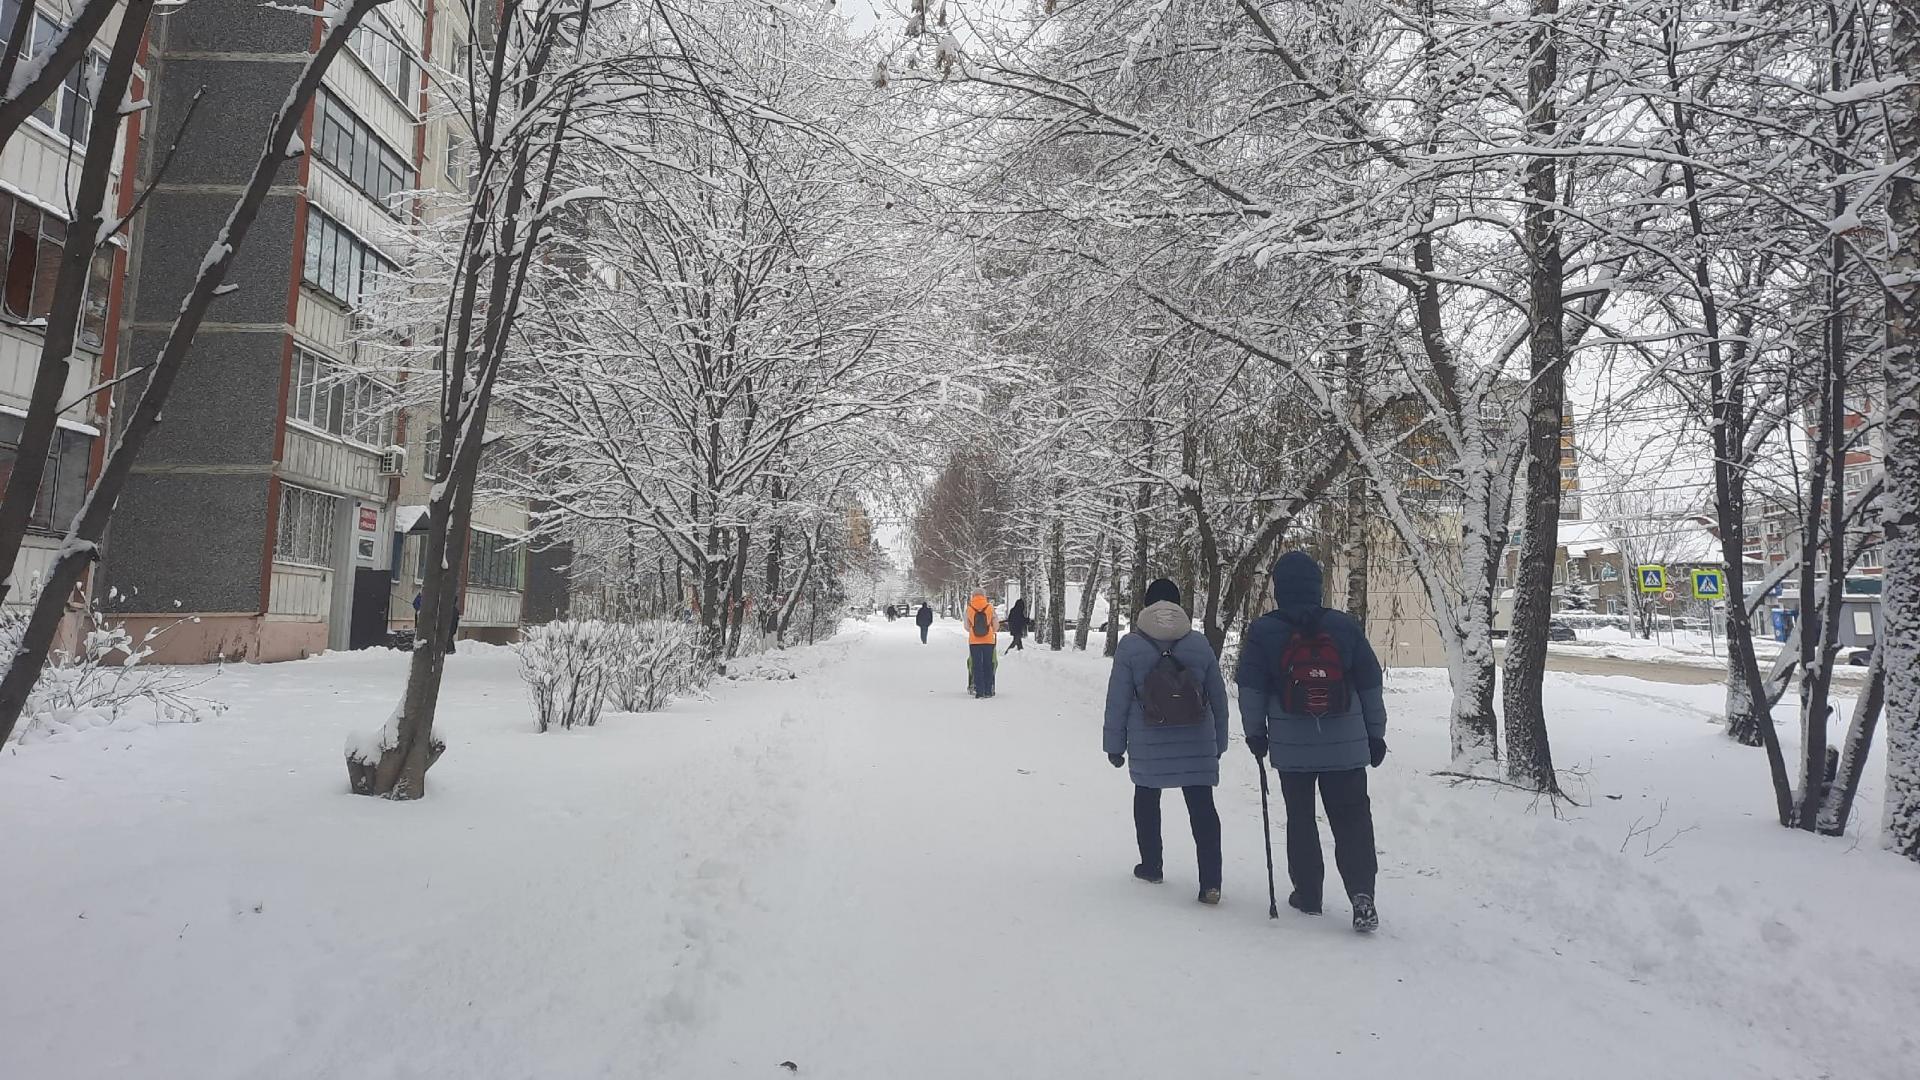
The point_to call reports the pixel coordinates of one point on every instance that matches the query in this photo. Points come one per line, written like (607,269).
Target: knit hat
(1162,590)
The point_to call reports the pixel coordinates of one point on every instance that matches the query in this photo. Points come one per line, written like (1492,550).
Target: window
(64,486)
(377,45)
(342,402)
(461,167)
(344,141)
(306,526)
(31,240)
(1869,558)
(338,262)
(68,110)
(493,562)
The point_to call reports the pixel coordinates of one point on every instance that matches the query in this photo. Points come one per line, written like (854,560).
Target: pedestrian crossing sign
(1653,579)
(1709,585)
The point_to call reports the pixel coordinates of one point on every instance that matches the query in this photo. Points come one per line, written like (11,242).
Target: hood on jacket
(1164,621)
(1019,608)
(1296,582)
(977,600)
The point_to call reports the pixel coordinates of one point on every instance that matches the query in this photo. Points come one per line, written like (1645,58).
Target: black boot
(1148,874)
(1366,917)
(1301,904)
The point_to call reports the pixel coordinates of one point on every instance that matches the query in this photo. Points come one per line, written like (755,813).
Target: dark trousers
(923,635)
(1017,642)
(1206,830)
(1349,815)
(980,667)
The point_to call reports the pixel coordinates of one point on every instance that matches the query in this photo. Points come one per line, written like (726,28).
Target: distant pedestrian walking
(1167,719)
(982,635)
(925,619)
(1310,696)
(1018,624)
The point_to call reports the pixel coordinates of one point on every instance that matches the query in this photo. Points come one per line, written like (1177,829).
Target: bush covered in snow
(575,669)
(104,684)
(661,661)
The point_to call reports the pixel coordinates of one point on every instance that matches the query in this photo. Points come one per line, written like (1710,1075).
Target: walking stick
(1266,832)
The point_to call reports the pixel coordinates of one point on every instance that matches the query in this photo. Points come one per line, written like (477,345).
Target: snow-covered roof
(408,517)
(1676,541)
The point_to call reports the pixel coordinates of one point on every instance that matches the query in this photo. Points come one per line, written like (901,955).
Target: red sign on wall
(369,519)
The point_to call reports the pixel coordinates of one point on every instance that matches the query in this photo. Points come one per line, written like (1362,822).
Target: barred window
(493,561)
(341,402)
(348,143)
(306,532)
(338,262)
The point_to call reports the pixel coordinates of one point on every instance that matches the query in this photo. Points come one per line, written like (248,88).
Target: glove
(1377,750)
(1257,745)
(1118,760)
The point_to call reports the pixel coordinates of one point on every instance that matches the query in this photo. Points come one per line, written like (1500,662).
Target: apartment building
(282,504)
(39,168)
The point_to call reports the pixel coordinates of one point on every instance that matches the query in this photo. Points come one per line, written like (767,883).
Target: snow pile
(103,685)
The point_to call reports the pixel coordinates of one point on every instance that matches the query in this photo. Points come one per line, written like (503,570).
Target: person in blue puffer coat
(1182,755)
(1330,751)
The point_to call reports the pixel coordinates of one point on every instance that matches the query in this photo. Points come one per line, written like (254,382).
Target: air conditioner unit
(393,461)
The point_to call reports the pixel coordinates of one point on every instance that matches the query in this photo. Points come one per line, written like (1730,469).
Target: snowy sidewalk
(868,873)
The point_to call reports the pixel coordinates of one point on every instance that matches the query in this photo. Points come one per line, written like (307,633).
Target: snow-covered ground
(866,873)
(1691,647)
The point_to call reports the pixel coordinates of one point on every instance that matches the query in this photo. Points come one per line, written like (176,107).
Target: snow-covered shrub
(660,660)
(1584,620)
(104,683)
(576,668)
(568,668)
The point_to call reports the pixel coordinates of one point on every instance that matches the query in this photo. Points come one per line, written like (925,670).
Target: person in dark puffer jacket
(1330,752)
(1184,756)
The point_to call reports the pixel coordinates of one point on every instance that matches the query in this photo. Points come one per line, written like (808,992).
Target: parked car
(1860,657)
(1559,631)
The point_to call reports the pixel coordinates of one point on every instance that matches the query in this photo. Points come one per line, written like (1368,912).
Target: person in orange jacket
(983,633)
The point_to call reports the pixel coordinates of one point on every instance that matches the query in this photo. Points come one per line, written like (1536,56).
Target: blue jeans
(980,663)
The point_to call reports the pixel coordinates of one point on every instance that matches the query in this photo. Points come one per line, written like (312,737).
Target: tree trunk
(1357,550)
(1089,592)
(396,768)
(1837,806)
(1114,608)
(1529,756)
(1900,639)
(1057,585)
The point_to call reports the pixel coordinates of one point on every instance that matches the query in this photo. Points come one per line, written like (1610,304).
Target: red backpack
(1313,681)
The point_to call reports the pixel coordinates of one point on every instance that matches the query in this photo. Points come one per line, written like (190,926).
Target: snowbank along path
(866,873)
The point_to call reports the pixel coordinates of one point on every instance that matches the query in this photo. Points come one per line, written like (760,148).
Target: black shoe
(1366,917)
(1147,874)
(1210,897)
(1301,904)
